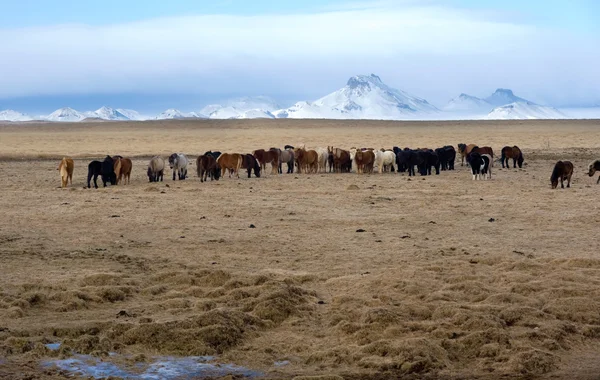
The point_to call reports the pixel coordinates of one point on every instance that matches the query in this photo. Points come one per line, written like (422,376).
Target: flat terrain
(449,278)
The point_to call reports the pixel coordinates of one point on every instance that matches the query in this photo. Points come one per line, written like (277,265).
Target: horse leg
(597,182)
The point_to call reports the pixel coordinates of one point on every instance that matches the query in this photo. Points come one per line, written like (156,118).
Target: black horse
(407,159)
(250,163)
(426,159)
(447,156)
(480,164)
(104,169)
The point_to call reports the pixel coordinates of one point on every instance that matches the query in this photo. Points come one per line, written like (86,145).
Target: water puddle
(162,367)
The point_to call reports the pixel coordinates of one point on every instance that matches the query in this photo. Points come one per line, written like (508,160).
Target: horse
(426,159)
(217,171)
(464,151)
(104,169)
(479,164)
(249,162)
(514,153)
(288,147)
(562,170)
(385,159)
(446,155)
(231,161)
(178,162)
(206,166)
(487,170)
(323,159)
(265,157)
(593,168)
(408,159)
(287,156)
(364,161)
(65,169)
(307,160)
(156,169)
(275,168)
(330,160)
(484,150)
(122,167)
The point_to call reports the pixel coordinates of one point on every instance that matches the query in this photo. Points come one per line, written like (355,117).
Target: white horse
(385,159)
(178,162)
(323,157)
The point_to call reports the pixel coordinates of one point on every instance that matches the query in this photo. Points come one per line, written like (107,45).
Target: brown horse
(593,168)
(124,171)
(514,153)
(231,161)
(464,151)
(265,157)
(65,169)
(484,150)
(562,170)
(206,165)
(307,160)
(364,161)
(342,163)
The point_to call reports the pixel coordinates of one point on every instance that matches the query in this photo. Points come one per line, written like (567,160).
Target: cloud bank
(432,51)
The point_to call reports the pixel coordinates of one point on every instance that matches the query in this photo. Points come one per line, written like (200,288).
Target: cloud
(432,51)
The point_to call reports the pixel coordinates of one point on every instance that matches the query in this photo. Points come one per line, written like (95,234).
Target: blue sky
(152,54)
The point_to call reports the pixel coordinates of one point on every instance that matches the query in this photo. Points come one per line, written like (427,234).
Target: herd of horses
(213,164)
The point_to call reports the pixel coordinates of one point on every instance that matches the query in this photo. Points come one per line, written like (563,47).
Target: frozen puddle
(163,367)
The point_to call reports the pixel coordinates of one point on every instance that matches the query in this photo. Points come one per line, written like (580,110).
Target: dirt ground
(360,276)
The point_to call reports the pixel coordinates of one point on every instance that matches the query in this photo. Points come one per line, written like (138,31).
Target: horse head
(593,167)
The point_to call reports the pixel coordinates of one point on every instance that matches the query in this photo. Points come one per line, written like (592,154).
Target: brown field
(450,279)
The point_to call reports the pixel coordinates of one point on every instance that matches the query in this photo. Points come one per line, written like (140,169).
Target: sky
(150,55)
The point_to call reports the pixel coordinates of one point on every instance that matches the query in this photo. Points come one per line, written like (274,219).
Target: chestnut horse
(231,161)
(364,161)
(562,170)
(122,167)
(593,168)
(307,160)
(65,169)
(265,157)
(514,153)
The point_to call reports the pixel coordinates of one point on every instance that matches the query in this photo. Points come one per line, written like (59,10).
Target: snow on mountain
(107,113)
(65,114)
(524,110)
(363,97)
(242,108)
(173,113)
(503,96)
(256,114)
(10,115)
(131,114)
(467,103)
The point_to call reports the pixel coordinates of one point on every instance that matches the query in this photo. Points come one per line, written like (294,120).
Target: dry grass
(430,289)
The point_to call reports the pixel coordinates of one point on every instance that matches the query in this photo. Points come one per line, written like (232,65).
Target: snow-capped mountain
(363,97)
(173,113)
(467,103)
(256,114)
(524,110)
(65,114)
(242,108)
(10,115)
(132,114)
(503,96)
(107,113)
(235,113)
